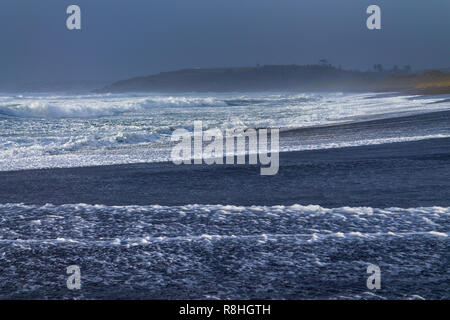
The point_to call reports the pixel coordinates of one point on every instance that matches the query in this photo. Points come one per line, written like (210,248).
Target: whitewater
(68,130)
(223,251)
(363,180)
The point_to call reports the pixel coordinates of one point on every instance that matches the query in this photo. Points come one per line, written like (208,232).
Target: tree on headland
(407,69)
(378,67)
(395,69)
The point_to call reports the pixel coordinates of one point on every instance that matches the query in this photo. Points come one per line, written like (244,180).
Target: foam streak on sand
(178,251)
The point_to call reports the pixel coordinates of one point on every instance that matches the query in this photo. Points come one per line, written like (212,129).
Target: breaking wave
(96,106)
(46,130)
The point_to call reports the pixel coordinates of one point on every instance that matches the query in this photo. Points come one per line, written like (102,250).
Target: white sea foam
(365,142)
(257,252)
(136,224)
(91,106)
(46,131)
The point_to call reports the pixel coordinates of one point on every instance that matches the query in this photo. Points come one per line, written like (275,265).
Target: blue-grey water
(364,180)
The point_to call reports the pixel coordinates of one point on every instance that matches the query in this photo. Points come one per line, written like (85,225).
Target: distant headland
(317,77)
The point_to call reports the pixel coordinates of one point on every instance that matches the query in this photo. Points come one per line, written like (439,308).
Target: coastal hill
(428,82)
(320,77)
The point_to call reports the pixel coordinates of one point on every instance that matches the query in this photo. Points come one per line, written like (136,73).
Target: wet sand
(407,174)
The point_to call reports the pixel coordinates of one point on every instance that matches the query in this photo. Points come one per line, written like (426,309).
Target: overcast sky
(126,38)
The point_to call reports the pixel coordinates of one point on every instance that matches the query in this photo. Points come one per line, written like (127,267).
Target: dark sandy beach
(408,174)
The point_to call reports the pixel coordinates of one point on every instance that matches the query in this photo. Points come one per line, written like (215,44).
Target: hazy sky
(126,38)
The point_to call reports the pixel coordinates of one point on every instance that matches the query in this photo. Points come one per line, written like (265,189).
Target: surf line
(213,145)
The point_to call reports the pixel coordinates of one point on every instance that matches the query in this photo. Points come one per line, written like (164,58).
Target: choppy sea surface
(55,130)
(212,251)
(223,252)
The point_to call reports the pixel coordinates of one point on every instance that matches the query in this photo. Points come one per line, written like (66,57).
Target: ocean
(55,131)
(363,179)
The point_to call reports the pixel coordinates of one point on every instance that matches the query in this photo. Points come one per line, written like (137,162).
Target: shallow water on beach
(232,252)
(201,251)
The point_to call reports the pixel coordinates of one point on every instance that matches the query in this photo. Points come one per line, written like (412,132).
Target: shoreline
(401,174)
